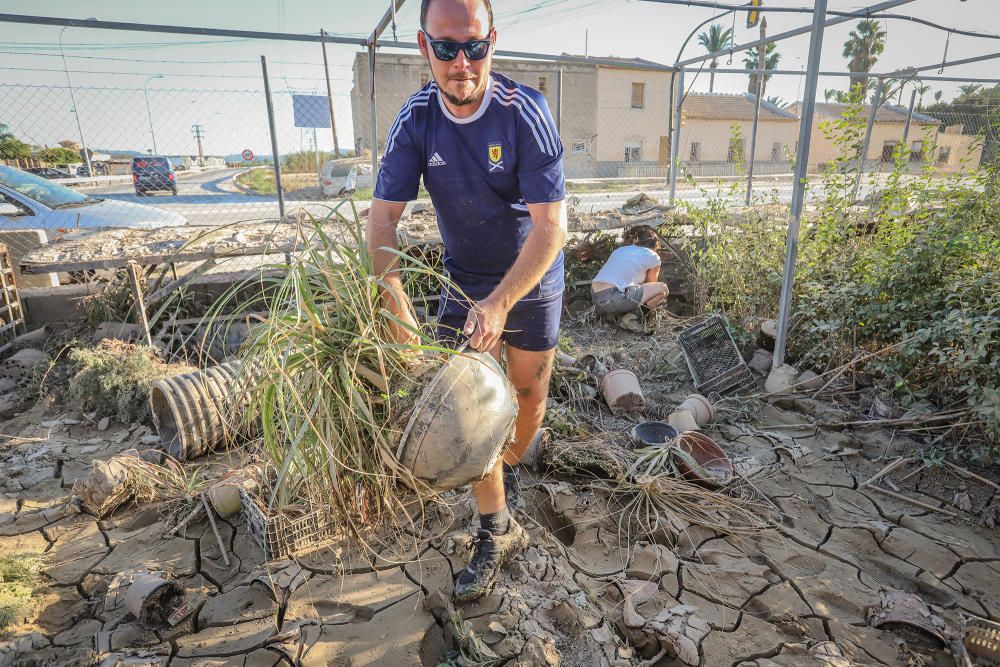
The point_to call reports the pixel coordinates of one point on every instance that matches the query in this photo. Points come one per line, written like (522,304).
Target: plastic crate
(715,363)
(981,639)
(278,535)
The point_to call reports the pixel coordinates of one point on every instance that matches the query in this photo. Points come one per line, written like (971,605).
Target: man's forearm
(540,249)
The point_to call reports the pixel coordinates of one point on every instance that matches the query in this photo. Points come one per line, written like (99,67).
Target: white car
(334,186)
(31,202)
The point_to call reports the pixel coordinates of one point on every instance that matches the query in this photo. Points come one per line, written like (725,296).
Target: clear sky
(194,69)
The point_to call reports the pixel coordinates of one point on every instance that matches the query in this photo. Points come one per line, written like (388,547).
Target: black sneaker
(489,554)
(512,487)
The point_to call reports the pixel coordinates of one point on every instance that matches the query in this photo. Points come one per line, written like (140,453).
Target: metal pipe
(911,71)
(274,138)
(149,115)
(788,72)
(329,95)
(887,4)
(373,109)
(559,100)
(909,117)
(76,109)
(799,183)
(675,142)
(761,53)
(876,102)
(384,21)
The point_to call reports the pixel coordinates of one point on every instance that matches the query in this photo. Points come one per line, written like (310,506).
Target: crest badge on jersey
(496,157)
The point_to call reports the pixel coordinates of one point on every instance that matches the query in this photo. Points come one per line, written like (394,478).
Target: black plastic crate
(278,535)
(715,363)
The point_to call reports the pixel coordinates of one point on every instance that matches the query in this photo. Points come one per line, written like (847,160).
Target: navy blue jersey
(481,173)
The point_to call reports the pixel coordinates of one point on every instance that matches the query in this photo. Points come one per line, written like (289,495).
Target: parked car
(28,201)
(332,184)
(100,169)
(153,173)
(48,172)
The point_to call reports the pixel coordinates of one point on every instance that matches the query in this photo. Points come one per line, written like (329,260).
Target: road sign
(247,155)
(311,110)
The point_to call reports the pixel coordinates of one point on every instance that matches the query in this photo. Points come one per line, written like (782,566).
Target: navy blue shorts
(532,324)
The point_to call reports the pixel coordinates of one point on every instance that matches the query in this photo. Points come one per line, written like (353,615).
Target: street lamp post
(149,115)
(72,96)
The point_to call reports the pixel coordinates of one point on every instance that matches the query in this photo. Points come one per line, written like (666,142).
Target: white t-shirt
(627,266)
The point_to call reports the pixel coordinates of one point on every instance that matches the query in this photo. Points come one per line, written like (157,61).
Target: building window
(917,151)
(579,147)
(541,84)
(424,78)
(888,148)
(633,152)
(777,151)
(638,95)
(695,151)
(736,150)
(944,154)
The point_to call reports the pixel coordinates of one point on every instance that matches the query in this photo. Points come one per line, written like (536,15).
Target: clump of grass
(329,384)
(114,378)
(19,580)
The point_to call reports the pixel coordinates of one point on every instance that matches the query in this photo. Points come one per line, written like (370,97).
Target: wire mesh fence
(617,118)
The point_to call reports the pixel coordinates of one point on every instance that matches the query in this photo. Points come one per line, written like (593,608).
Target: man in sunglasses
(491,159)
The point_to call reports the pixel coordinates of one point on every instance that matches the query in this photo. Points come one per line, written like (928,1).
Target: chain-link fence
(156,155)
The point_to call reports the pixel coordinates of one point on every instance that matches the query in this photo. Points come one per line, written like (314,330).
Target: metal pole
(559,98)
(675,143)
(909,117)
(374,107)
(876,102)
(329,95)
(761,54)
(799,184)
(76,110)
(149,114)
(274,138)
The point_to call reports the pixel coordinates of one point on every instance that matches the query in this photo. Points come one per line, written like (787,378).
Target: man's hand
(485,324)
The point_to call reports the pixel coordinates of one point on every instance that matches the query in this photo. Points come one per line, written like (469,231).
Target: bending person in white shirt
(629,282)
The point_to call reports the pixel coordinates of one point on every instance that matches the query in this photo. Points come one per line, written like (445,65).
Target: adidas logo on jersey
(436,161)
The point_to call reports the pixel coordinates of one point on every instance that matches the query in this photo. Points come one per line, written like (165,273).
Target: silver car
(31,202)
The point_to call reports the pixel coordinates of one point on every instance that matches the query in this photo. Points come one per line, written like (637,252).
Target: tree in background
(938,94)
(57,155)
(716,39)
(12,148)
(922,89)
(976,110)
(863,47)
(969,89)
(777,101)
(771,59)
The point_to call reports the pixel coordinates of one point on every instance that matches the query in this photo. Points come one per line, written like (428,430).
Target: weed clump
(114,379)
(19,579)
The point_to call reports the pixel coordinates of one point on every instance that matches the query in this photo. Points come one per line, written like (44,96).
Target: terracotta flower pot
(683,421)
(622,392)
(700,407)
(713,466)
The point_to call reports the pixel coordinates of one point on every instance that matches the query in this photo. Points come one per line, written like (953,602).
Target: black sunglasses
(446,49)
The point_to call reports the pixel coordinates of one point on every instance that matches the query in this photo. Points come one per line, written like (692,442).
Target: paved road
(209,198)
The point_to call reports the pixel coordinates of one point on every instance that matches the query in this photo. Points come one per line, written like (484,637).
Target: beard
(472,98)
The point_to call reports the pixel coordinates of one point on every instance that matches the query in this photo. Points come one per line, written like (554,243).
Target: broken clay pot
(225,498)
(153,600)
(809,381)
(620,388)
(683,421)
(700,407)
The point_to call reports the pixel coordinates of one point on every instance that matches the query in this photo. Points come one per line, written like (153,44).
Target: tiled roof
(887,113)
(723,106)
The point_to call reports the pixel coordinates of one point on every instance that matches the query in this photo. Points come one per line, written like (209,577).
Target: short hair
(426,4)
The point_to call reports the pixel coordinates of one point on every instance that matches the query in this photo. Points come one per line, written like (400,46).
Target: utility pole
(329,93)
(199,133)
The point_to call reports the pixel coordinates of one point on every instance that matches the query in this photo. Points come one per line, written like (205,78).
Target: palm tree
(938,94)
(771,58)
(970,89)
(777,101)
(716,39)
(863,47)
(922,89)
